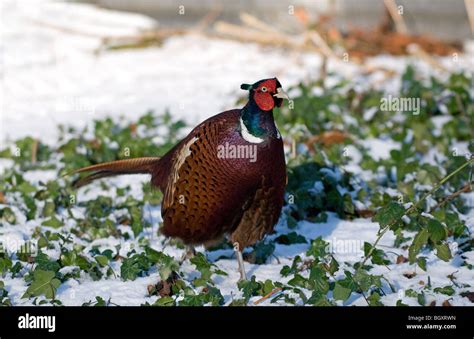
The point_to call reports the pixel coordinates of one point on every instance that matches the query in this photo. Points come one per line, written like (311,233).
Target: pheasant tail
(108,169)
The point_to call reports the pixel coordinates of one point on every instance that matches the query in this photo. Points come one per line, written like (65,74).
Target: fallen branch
(34,151)
(265,297)
(145,38)
(416,50)
(327,138)
(206,21)
(319,42)
(245,34)
(397,18)
(258,24)
(470,12)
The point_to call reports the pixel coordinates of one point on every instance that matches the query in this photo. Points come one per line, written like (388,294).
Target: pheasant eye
(263,89)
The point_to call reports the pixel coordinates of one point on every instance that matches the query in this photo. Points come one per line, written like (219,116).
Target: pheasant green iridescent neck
(259,123)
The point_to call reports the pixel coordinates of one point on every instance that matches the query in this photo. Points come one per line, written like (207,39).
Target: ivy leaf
(204,267)
(318,279)
(436,230)
(5,265)
(287,270)
(389,214)
(363,279)
(443,252)
(455,225)
(136,224)
(374,299)
(340,292)
(166,264)
(129,269)
(378,256)
(348,205)
(44,283)
(291,221)
(8,215)
(318,299)
(333,266)
(102,260)
(249,288)
(299,281)
(421,299)
(318,248)
(53,222)
(49,209)
(267,287)
(210,295)
(100,302)
(82,262)
(164,301)
(448,290)
(25,187)
(418,242)
(291,238)
(262,251)
(422,263)
(44,263)
(214,296)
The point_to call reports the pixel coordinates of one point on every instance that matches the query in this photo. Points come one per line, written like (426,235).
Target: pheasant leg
(240,260)
(189,252)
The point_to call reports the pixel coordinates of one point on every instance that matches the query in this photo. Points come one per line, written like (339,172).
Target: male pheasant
(226,178)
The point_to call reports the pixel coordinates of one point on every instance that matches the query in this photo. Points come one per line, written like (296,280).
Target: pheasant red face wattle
(263,94)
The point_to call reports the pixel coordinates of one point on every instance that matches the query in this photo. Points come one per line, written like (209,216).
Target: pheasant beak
(280,94)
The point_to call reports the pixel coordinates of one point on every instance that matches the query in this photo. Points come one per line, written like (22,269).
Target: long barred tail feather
(118,167)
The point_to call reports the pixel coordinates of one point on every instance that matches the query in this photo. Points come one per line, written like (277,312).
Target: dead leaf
(151,289)
(328,138)
(164,287)
(365,213)
(133,129)
(469,295)
(401,259)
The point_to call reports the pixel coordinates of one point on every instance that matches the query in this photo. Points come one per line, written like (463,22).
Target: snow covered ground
(52,74)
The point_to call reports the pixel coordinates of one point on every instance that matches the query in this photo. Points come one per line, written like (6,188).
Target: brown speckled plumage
(207,197)
(213,196)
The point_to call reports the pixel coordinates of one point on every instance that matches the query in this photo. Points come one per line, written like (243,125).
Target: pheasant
(226,178)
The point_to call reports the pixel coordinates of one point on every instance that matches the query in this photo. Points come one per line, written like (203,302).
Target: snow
(52,76)
(35,176)
(369,113)
(378,148)
(67,83)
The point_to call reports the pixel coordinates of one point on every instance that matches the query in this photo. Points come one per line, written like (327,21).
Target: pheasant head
(266,93)
(256,117)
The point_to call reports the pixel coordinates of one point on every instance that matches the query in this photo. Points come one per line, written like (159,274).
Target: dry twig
(265,297)
(400,25)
